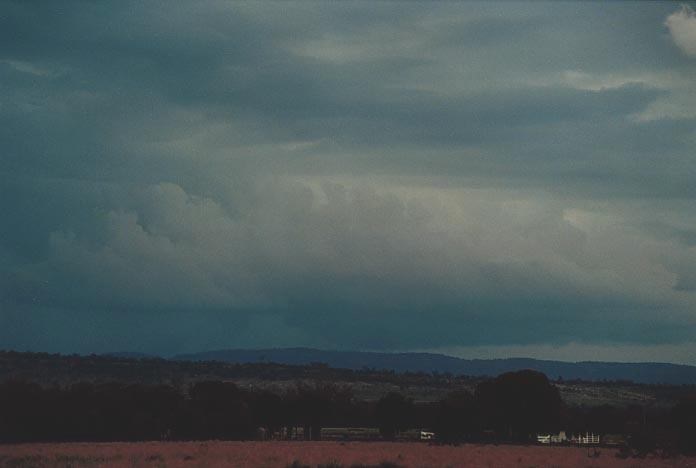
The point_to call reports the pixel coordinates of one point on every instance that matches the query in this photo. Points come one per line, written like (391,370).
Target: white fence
(560,438)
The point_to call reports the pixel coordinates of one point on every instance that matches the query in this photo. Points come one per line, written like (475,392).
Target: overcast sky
(482,179)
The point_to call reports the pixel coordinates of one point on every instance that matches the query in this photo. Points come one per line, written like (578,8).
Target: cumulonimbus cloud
(317,256)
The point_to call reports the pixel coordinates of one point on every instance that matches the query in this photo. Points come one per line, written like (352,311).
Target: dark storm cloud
(354,175)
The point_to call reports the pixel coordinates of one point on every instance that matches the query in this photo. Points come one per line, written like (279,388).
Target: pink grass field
(280,454)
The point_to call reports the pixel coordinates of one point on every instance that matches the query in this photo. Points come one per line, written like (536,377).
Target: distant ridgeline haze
(649,373)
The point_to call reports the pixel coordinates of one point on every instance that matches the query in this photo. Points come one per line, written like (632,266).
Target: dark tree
(318,404)
(221,411)
(457,417)
(270,411)
(394,413)
(517,405)
(685,422)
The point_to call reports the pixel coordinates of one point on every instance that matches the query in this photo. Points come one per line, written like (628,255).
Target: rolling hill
(647,373)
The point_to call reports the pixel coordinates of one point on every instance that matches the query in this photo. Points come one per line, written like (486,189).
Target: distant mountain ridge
(646,373)
(129,355)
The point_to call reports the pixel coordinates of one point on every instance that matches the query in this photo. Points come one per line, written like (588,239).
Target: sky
(481,179)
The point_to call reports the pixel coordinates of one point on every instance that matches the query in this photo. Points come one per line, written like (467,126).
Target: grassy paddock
(316,454)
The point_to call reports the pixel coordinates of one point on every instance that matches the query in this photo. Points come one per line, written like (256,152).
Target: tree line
(49,369)
(512,407)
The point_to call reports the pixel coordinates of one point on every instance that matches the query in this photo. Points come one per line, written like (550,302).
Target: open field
(334,454)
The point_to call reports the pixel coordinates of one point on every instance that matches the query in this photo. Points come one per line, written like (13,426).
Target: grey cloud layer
(346,175)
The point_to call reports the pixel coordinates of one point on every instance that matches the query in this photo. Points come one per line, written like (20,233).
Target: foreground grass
(316,454)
